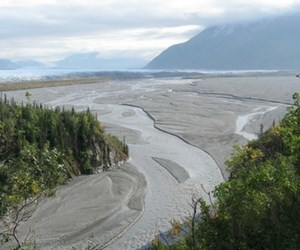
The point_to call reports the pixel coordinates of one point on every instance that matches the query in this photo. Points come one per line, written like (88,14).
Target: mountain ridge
(6,64)
(92,60)
(269,44)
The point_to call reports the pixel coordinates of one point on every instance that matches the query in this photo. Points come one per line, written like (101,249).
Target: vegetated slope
(269,44)
(40,148)
(259,206)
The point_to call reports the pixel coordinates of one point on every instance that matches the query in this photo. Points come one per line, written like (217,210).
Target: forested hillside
(41,148)
(259,206)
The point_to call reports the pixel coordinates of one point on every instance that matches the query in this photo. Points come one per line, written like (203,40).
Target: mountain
(92,60)
(6,64)
(29,64)
(266,44)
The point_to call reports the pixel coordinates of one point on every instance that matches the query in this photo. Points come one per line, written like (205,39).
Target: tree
(24,181)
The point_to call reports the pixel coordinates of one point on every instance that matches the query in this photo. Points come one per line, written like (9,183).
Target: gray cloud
(62,27)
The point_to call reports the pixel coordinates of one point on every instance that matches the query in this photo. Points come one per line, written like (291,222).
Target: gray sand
(179,173)
(103,205)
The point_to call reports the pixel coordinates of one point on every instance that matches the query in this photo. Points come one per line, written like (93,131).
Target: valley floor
(179,132)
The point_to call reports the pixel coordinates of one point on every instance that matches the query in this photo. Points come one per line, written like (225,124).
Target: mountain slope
(6,64)
(92,60)
(29,64)
(267,44)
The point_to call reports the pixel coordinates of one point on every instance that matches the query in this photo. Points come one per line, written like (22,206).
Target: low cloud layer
(51,29)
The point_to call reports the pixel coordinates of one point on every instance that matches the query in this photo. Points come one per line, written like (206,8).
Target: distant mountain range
(270,44)
(92,60)
(6,64)
(29,64)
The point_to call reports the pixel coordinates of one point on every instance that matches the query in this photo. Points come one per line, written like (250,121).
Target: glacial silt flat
(179,131)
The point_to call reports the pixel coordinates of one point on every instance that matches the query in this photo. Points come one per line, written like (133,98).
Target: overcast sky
(48,30)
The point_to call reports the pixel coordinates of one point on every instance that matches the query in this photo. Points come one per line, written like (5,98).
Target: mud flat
(179,132)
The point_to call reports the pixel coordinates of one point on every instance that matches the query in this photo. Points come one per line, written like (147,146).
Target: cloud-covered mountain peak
(266,44)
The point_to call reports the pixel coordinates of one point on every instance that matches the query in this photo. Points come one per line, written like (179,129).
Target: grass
(49,83)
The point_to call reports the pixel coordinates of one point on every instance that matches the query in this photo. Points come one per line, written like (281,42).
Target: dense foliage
(259,206)
(40,148)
